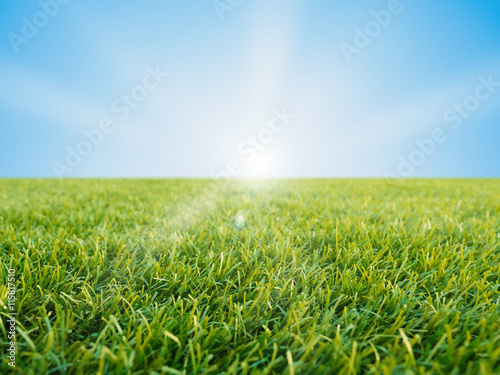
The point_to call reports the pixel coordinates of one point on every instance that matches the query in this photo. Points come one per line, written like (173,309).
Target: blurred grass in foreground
(255,277)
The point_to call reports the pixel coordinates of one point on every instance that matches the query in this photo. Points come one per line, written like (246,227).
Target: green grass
(270,277)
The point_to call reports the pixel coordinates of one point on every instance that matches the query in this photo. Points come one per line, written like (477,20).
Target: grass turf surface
(292,276)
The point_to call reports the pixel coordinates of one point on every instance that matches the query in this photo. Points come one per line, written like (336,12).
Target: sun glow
(260,167)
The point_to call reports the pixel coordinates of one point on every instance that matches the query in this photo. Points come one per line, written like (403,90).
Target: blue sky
(405,88)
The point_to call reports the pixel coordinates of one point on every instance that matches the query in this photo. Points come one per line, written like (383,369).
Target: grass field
(269,277)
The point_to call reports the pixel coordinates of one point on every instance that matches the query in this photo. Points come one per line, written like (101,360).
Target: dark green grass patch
(267,277)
